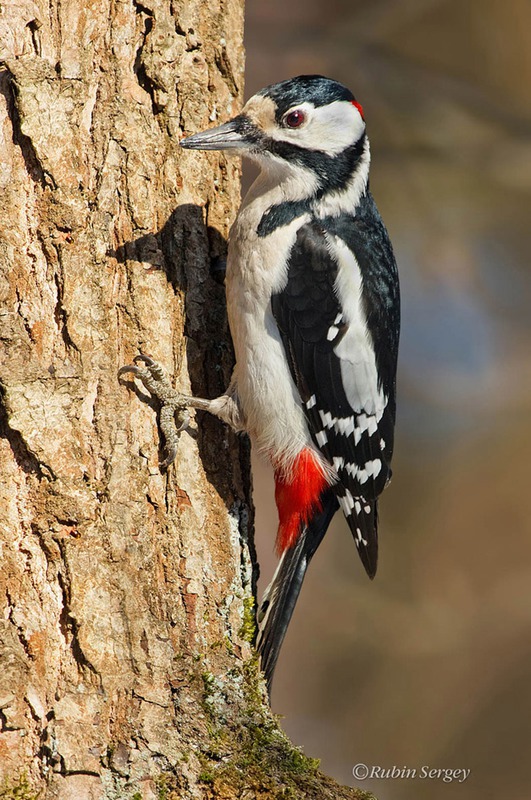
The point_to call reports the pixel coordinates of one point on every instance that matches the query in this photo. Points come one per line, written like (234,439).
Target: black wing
(356,440)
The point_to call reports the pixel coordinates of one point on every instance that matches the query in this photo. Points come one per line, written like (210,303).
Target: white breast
(257,268)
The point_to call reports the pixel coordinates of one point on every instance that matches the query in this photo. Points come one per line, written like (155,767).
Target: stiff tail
(281,595)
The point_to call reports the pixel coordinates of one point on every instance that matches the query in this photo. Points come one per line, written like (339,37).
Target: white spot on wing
(373,467)
(362,475)
(339,462)
(372,425)
(311,402)
(346,502)
(344,425)
(367,423)
(321,438)
(359,538)
(327,419)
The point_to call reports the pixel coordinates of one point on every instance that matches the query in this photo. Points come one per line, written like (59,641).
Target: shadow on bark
(177,248)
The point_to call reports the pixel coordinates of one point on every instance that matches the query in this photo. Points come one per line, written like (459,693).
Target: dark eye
(294,119)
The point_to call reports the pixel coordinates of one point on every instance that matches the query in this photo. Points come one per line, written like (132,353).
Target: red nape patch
(297,497)
(359,107)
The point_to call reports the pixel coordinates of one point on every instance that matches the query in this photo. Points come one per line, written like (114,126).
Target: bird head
(305,121)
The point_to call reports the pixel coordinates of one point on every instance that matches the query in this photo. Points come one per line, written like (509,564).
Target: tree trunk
(127,591)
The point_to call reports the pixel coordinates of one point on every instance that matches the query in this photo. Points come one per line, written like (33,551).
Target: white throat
(282,182)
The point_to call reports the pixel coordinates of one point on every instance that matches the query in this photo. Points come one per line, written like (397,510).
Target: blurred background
(430,663)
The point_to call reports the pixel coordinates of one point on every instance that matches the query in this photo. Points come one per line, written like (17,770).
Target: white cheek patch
(329,129)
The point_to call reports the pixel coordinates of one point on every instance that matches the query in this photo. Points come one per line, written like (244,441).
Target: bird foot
(174,416)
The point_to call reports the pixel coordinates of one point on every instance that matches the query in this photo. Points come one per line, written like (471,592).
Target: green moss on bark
(250,754)
(18,788)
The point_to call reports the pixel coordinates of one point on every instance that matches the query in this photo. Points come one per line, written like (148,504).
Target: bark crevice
(9,90)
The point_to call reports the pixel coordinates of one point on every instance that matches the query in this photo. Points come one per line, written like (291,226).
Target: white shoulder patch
(355,350)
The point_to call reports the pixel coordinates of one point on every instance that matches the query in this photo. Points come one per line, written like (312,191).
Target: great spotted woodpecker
(313,305)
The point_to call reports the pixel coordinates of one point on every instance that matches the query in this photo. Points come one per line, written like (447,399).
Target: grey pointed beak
(230,136)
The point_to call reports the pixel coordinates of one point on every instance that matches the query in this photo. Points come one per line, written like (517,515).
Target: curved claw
(153,367)
(184,419)
(171,432)
(171,454)
(129,368)
(148,360)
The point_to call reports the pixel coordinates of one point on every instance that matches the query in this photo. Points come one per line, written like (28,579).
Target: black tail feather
(281,595)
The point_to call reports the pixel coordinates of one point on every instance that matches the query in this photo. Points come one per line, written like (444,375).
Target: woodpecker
(314,311)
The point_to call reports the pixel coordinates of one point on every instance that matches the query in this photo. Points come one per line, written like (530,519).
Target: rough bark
(126,591)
